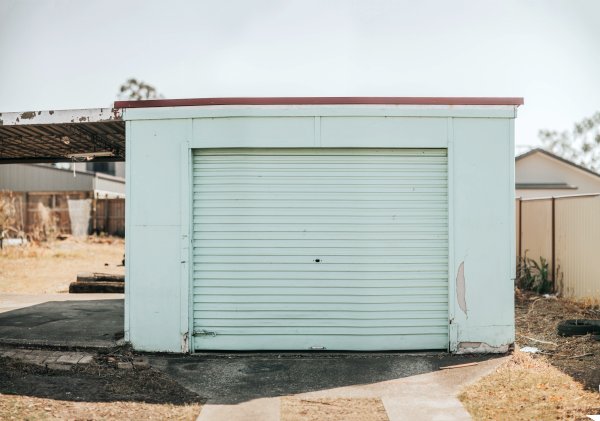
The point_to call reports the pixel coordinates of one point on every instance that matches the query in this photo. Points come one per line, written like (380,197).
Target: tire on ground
(575,327)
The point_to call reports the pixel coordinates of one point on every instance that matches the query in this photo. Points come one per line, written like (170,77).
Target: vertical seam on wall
(190,283)
(450,183)
(317,123)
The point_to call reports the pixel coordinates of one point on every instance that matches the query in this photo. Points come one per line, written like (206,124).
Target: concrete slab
(247,387)
(10,301)
(70,322)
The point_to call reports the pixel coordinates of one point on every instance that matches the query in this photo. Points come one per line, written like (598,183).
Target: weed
(534,276)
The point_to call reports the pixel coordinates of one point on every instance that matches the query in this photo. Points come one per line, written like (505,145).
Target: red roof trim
(319,101)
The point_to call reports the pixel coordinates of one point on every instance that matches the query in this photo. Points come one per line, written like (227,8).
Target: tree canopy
(136,90)
(580,145)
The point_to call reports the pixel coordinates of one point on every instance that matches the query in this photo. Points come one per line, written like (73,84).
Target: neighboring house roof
(559,158)
(544,186)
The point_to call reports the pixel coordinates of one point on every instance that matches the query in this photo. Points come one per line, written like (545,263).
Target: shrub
(533,275)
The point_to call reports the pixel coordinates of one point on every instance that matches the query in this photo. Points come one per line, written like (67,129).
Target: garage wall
(482,177)
(481,211)
(154,269)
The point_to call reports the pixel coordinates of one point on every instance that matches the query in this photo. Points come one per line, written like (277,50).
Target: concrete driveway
(68,320)
(264,386)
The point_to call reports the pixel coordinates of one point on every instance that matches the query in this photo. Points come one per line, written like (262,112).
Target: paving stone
(37,358)
(59,366)
(70,358)
(125,365)
(86,359)
(52,356)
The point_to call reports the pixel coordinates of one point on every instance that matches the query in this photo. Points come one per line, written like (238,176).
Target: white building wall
(541,168)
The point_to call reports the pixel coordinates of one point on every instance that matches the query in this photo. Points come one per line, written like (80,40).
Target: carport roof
(50,136)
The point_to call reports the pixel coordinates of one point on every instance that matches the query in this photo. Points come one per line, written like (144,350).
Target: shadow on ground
(235,378)
(92,383)
(87,323)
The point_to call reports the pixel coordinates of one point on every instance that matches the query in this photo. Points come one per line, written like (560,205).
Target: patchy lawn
(50,267)
(92,393)
(560,382)
(526,388)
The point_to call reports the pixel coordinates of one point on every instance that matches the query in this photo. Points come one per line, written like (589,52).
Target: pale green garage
(355,224)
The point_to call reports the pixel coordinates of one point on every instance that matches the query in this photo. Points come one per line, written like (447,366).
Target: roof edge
(188,102)
(558,158)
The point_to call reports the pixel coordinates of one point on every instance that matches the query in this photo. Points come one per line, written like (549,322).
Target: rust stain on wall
(460,288)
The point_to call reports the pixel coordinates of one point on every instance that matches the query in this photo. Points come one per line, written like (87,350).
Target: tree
(580,145)
(137,90)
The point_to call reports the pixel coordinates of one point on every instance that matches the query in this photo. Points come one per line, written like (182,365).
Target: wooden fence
(109,216)
(33,208)
(566,232)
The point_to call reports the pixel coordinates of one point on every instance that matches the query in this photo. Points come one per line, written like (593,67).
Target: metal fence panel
(578,246)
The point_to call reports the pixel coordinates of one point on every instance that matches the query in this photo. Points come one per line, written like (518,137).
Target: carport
(64,320)
(62,136)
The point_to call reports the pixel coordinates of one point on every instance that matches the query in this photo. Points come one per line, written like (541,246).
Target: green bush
(534,276)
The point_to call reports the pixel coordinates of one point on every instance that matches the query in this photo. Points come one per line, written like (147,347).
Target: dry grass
(50,267)
(525,388)
(31,408)
(536,319)
(332,409)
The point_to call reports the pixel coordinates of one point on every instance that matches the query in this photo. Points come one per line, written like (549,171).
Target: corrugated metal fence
(566,232)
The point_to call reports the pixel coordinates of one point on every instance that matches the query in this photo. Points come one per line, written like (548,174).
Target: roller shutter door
(337,249)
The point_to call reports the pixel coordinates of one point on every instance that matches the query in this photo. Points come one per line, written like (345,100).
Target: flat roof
(188,102)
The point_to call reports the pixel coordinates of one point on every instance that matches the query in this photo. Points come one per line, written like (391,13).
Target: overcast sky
(75,54)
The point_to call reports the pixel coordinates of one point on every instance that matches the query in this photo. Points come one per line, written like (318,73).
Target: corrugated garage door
(338,249)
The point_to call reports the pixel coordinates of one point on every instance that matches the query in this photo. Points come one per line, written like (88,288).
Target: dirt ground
(340,409)
(92,393)
(50,267)
(536,319)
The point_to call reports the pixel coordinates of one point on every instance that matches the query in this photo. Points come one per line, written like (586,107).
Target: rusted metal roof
(49,136)
(320,101)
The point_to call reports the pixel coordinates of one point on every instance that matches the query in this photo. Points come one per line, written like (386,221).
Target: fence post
(520,227)
(106,215)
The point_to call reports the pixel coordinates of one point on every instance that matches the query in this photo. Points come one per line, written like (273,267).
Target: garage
(337,249)
(320,224)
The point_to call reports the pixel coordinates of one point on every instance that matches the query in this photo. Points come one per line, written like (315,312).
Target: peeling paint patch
(185,346)
(51,112)
(82,119)
(461,288)
(28,115)
(480,348)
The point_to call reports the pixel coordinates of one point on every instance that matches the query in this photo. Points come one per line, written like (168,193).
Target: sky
(60,54)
